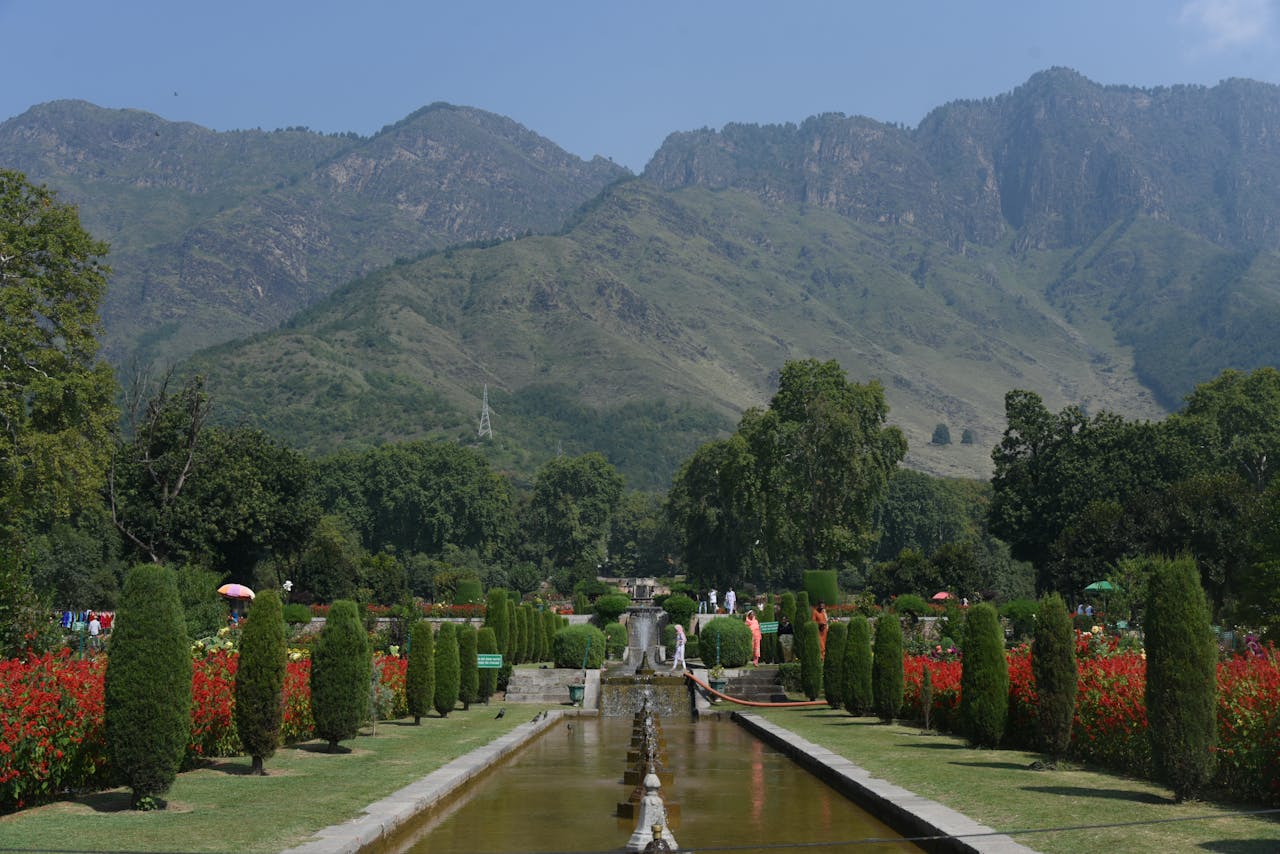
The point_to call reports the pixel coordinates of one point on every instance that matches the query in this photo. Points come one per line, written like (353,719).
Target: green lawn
(222,808)
(999,789)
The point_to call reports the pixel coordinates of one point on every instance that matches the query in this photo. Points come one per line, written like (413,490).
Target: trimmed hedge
(468,592)
(468,672)
(822,586)
(615,640)
(735,642)
(680,608)
(296,614)
(810,655)
(1053,661)
(609,608)
(147,692)
(571,643)
(833,664)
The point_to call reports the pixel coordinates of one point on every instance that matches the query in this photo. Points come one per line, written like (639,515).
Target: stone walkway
(910,814)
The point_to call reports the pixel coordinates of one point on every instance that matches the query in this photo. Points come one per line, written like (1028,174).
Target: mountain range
(1104,246)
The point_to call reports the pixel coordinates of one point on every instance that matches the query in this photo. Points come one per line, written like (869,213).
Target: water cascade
(624,687)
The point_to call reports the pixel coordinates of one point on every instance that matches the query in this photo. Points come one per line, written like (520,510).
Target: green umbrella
(1100,587)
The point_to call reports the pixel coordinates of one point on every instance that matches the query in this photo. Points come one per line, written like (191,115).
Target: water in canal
(560,795)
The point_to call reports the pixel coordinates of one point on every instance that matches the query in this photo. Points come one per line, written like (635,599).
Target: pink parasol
(942,594)
(236,591)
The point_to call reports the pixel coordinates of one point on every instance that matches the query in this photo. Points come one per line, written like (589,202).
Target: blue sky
(602,77)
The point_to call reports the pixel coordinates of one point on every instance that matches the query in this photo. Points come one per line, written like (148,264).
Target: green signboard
(488,661)
(769,628)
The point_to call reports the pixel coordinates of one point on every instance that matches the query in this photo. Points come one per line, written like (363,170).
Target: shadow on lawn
(1240,846)
(239,769)
(933,745)
(1006,766)
(113,801)
(1109,794)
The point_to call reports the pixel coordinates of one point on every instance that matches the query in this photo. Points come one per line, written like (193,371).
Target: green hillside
(654,321)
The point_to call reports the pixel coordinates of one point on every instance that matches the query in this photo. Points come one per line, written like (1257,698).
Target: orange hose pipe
(792,704)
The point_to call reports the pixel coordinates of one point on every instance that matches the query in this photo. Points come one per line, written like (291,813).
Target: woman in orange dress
(754,625)
(820,617)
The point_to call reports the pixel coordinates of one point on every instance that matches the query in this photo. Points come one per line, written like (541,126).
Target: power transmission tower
(486,430)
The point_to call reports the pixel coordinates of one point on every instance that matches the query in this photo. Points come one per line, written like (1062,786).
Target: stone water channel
(561,794)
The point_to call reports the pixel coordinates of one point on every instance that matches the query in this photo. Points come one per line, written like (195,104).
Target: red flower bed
(52,737)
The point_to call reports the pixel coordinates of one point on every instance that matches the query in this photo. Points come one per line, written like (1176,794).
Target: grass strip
(1000,789)
(221,808)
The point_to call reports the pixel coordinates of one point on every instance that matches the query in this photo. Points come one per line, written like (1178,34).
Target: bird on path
(500,713)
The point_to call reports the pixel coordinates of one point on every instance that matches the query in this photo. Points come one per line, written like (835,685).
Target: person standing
(754,625)
(820,617)
(730,600)
(678,658)
(786,637)
(95,630)
(711,599)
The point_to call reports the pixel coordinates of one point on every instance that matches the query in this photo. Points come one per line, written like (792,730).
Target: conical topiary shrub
(147,693)
(495,616)
(468,672)
(833,664)
(984,678)
(858,697)
(259,685)
(810,661)
(1182,660)
(420,673)
(1053,663)
(486,644)
(448,672)
(886,667)
(341,670)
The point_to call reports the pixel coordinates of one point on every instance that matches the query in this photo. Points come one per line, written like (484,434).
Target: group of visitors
(709,605)
(786,631)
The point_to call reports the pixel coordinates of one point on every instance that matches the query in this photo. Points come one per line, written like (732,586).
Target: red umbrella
(236,591)
(942,594)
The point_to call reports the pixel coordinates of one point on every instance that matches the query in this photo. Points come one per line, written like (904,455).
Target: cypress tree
(858,698)
(984,678)
(1181,677)
(810,661)
(487,643)
(833,664)
(549,625)
(787,606)
(886,667)
(1053,663)
(420,674)
(769,642)
(341,670)
(147,694)
(468,672)
(581,604)
(495,617)
(512,650)
(803,614)
(448,671)
(525,633)
(259,685)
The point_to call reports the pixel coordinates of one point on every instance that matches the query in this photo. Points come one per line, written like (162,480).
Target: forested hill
(216,235)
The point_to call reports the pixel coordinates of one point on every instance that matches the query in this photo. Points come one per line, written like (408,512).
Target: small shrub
(680,607)
(789,673)
(984,679)
(886,668)
(420,674)
(911,605)
(468,592)
(581,604)
(734,642)
(615,640)
(296,614)
(573,643)
(448,670)
(609,608)
(1021,614)
(341,669)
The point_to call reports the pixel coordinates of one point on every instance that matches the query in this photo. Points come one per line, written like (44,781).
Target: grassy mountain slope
(218,235)
(652,323)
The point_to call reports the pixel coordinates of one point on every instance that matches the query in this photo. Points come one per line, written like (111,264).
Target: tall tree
(1053,662)
(56,397)
(147,690)
(574,499)
(341,668)
(1182,663)
(259,684)
(984,678)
